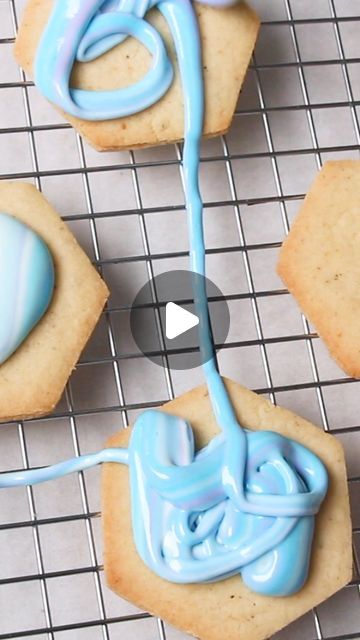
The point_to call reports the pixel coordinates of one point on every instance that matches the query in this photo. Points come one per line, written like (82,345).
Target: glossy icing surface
(189,527)
(246,503)
(26,282)
(84,31)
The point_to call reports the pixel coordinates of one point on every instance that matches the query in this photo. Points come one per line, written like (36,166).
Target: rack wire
(299,107)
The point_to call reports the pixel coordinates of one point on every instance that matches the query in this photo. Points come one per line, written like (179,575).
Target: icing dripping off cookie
(246,503)
(26,283)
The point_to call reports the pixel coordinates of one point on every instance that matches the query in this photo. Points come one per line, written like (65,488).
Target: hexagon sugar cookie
(319,260)
(228,39)
(50,299)
(228,609)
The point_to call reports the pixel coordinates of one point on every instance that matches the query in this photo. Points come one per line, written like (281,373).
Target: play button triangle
(178,320)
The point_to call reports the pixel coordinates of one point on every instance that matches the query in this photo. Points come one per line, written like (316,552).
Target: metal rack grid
(299,107)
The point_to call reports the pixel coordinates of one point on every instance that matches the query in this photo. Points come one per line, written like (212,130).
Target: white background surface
(276,144)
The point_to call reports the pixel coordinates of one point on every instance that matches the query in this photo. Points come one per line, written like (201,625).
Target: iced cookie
(319,260)
(228,36)
(50,300)
(226,608)
(26,282)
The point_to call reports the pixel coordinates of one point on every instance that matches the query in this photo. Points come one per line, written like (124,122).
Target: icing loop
(246,502)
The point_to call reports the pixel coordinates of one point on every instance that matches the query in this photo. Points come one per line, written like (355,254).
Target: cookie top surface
(41,366)
(319,260)
(228,38)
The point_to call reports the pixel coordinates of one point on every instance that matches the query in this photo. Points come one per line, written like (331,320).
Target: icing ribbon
(246,502)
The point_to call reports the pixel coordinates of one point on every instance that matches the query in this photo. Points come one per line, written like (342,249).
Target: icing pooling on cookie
(26,282)
(187,529)
(246,503)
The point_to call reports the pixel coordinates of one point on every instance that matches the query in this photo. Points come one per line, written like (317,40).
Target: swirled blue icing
(187,529)
(26,283)
(245,504)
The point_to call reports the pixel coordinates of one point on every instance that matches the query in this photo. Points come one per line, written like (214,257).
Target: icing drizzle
(246,502)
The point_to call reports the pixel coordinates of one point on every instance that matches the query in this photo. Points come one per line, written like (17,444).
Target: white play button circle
(165,324)
(178,320)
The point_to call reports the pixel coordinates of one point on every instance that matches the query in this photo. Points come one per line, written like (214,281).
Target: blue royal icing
(26,283)
(246,503)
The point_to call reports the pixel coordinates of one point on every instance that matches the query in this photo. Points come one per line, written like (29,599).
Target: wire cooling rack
(299,107)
